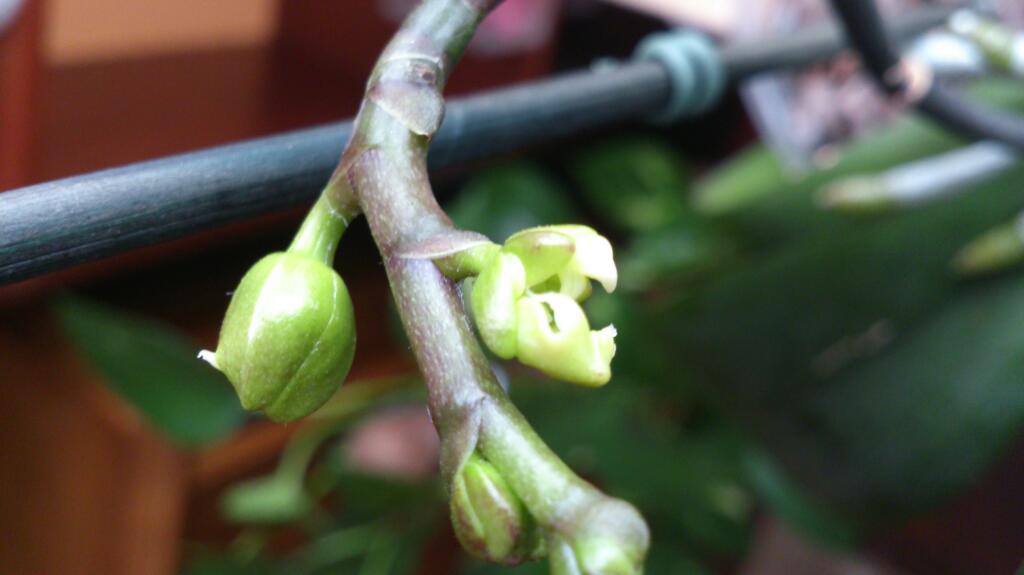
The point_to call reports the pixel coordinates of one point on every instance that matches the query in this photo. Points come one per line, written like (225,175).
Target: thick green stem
(384,170)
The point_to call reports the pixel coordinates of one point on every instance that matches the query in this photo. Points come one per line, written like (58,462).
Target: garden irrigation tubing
(58,224)
(863,24)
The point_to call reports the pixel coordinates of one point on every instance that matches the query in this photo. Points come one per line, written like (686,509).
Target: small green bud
(269,500)
(489,519)
(610,538)
(288,337)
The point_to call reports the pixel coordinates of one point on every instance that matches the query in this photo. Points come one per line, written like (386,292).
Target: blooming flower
(526,302)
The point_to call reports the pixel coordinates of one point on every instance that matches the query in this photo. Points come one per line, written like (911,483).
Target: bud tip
(209,357)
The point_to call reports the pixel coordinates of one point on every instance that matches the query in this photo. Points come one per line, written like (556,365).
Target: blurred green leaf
(327,551)
(776,338)
(642,357)
(504,199)
(925,419)
(688,485)
(636,184)
(229,564)
(741,180)
(665,559)
(791,504)
(474,567)
(365,497)
(155,369)
(762,203)
(267,500)
(673,256)
(399,550)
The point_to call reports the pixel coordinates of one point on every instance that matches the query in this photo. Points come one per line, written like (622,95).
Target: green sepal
(543,252)
(493,300)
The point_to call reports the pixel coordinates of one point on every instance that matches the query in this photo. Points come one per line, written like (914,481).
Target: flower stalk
(288,337)
(383,172)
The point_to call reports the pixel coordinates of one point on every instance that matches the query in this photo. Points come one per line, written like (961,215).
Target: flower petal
(554,336)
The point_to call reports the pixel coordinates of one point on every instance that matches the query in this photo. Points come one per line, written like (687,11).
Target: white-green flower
(525,302)
(555,337)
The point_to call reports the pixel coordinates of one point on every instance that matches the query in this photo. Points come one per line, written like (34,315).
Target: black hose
(58,224)
(867,35)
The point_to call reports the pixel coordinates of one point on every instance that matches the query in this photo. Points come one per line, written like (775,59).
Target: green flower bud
(489,519)
(610,538)
(270,500)
(288,337)
(525,302)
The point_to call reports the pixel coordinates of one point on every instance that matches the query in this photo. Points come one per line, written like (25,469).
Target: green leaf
(636,184)
(782,342)
(273,499)
(365,497)
(762,203)
(674,256)
(667,558)
(689,486)
(502,200)
(924,420)
(642,357)
(792,505)
(475,567)
(155,370)
(228,564)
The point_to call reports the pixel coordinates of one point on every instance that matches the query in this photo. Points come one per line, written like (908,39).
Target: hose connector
(696,74)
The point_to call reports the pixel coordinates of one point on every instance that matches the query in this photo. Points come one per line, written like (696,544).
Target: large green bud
(489,519)
(288,337)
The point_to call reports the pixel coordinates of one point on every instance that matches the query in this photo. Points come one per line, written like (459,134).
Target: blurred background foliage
(771,354)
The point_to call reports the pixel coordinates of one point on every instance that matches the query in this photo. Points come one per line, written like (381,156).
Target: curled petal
(594,258)
(554,336)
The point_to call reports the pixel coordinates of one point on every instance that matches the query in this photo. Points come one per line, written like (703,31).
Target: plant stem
(320,232)
(383,171)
